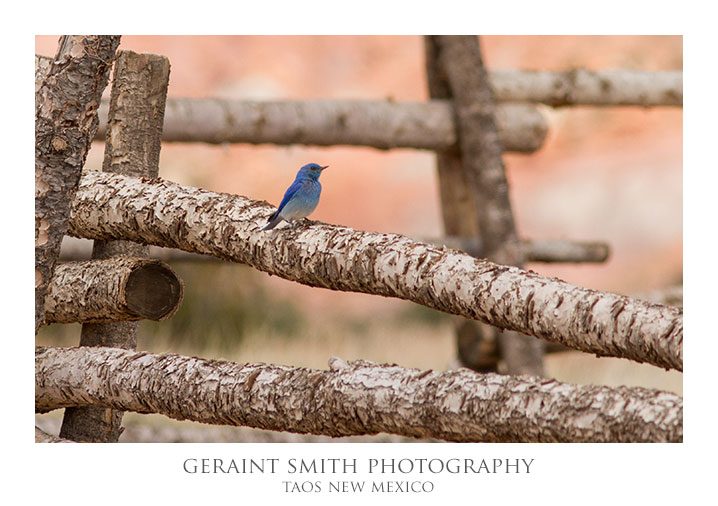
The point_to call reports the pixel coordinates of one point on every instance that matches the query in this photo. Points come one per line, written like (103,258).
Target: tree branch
(66,105)
(354,398)
(117,289)
(163,213)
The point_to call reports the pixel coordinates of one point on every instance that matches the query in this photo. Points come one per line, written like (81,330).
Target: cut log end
(153,291)
(117,289)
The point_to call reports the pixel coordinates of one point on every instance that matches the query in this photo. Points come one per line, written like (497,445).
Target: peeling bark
(66,105)
(116,289)
(163,213)
(132,148)
(585,87)
(355,398)
(42,68)
(378,124)
(137,110)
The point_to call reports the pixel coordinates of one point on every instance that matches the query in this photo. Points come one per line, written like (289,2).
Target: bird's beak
(324,167)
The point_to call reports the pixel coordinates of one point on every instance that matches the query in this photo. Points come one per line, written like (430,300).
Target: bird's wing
(291,191)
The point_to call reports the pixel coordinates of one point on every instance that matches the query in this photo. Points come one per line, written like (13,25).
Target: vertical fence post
(475,340)
(132,148)
(66,104)
(456,68)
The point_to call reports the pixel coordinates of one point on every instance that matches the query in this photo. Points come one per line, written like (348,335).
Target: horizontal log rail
(355,398)
(382,124)
(386,124)
(582,87)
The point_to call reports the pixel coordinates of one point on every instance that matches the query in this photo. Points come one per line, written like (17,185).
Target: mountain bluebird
(301,198)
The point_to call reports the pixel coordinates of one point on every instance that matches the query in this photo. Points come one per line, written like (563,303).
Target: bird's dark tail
(274,220)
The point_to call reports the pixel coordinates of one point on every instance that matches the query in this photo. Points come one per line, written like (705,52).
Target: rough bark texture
(166,214)
(378,124)
(355,398)
(585,87)
(137,111)
(65,123)
(547,251)
(42,69)
(459,57)
(117,289)
(132,148)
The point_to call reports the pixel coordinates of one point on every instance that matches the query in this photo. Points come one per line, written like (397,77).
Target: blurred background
(612,174)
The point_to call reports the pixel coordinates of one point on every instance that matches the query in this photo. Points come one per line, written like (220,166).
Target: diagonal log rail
(355,398)
(163,213)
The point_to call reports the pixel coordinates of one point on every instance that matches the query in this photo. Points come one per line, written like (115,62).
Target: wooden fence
(125,209)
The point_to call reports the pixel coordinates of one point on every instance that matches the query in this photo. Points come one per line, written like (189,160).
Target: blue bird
(301,198)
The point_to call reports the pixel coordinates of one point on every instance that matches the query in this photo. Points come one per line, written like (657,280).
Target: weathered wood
(482,159)
(618,87)
(42,69)
(459,218)
(166,214)
(378,124)
(66,105)
(116,289)
(355,398)
(132,148)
